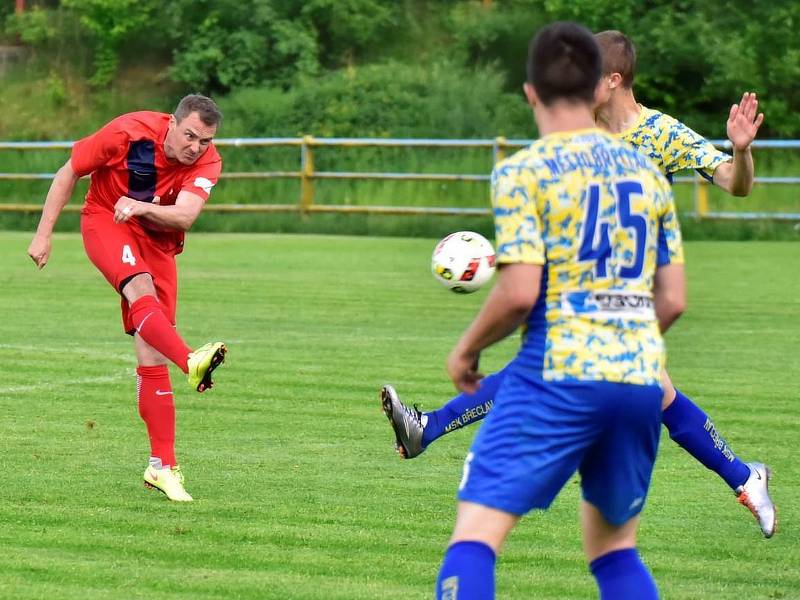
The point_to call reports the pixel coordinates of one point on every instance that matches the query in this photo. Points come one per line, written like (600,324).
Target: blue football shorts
(539,433)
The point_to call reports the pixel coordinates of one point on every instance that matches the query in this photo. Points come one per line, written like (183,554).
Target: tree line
(445,68)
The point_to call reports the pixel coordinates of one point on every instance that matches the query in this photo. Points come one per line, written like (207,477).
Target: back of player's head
(564,63)
(205,107)
(619,55)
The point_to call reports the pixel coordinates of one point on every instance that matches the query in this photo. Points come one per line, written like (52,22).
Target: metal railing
(308,175)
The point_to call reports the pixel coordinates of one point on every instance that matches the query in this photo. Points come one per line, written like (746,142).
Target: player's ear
(614,80)
(173,122)
(530,94)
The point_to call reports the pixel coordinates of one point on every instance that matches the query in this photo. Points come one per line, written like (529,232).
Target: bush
(385,100)
(694,59)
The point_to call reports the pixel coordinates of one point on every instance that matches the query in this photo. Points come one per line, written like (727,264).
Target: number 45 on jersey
(596,242)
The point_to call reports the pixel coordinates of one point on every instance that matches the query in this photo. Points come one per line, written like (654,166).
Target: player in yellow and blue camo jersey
(589,255)
(669,143)
(673,147)
(597,304)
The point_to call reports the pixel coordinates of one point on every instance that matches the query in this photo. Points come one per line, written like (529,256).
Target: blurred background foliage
(445,68)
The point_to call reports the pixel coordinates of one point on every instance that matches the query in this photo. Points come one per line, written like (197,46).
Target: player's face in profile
(188,139)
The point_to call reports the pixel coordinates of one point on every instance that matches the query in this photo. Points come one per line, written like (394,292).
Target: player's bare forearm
(171,217)
(179,216)
(736,177)
(743,172)
(742,127)
(57,197)
(669,294)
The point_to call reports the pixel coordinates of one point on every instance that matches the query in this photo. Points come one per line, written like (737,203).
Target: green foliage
(695,60)
(293,52)
(34,27)
(109,23)
(276,41)
(346,28)
(57,89)
(225,55)
(390,99)
(6,8)
(496,36)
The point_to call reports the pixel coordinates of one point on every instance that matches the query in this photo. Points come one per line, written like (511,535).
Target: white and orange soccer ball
(463,261)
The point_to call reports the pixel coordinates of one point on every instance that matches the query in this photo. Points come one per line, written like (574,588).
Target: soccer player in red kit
(151,176)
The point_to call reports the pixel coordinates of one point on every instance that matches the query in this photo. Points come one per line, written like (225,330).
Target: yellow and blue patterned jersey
(672,145)
(599,217)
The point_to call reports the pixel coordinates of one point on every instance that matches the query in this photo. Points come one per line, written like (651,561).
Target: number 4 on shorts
(127,255)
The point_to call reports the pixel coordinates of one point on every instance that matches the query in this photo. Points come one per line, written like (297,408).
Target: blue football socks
(463,409)
(694,431)
(621,575)
(467,572)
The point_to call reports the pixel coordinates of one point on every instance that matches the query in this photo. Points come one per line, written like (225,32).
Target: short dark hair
(619,55)
(564,63)
(205,107)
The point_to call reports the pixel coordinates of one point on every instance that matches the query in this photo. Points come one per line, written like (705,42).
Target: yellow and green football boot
(202,363)
(168,481)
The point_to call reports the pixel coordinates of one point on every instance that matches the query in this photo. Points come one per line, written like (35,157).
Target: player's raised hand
(39,249)
(463,370)
(743,123)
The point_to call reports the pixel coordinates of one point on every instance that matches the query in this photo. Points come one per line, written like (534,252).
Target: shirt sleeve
(670,243)
(687,149)
(518,225)
(202,178)
(98,149)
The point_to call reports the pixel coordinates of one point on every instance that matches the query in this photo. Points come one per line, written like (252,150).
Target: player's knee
(136,286)
(477,523)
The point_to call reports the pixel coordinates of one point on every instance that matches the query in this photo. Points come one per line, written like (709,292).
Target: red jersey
(126,158)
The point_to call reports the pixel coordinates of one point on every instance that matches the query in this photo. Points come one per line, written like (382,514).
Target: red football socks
(157,409)
(153,325)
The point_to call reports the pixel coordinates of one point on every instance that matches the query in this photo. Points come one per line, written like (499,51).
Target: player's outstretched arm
(505,309)
(736,177)
(179,216)
(669,294)
(57,198)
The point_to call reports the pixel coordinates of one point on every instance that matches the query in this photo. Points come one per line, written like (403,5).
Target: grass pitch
(298,492)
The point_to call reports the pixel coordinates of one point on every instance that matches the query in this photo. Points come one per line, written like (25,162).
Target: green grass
(299,494)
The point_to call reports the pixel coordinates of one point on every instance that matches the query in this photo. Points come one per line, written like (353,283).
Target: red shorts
(122,250)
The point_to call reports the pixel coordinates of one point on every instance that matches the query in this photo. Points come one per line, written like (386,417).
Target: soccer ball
(463,261)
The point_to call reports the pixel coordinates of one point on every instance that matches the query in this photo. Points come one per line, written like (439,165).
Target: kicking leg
(696,433)
(152,324)
(415,430)
(462,410)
